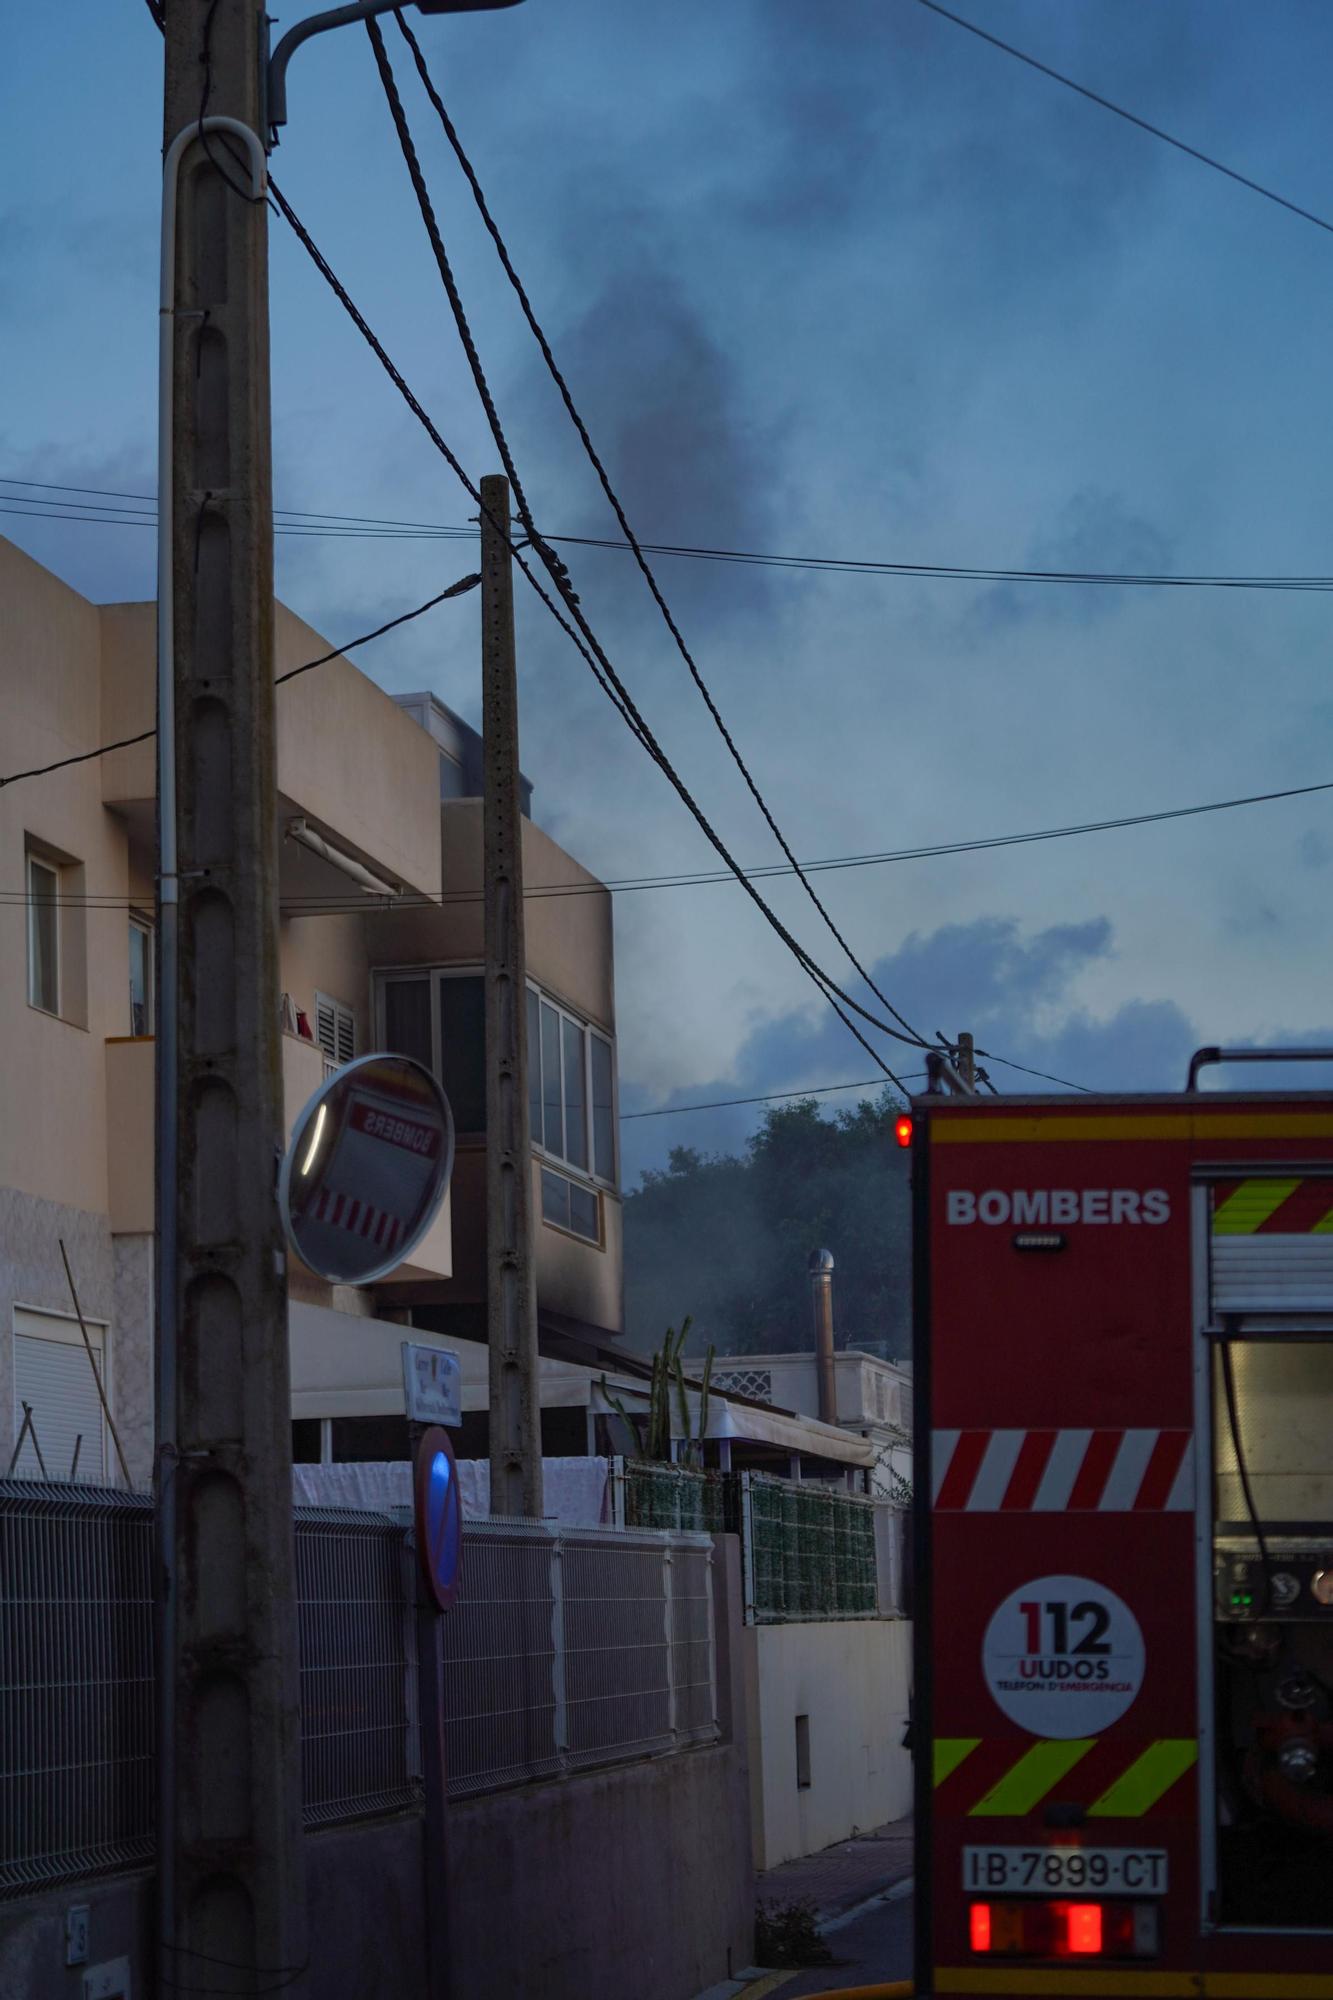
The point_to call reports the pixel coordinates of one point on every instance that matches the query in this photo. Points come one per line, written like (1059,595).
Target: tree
(726,1238)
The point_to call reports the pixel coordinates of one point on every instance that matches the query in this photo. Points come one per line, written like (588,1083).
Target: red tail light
(1083,1927)
(902,1130)
(1063,1930)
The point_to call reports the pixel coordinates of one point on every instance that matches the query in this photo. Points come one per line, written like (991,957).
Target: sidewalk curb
(751,1982)
(756,1982)
(890,1892)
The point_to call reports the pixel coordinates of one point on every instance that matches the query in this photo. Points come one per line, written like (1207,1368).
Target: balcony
(349,760)
(130,1098)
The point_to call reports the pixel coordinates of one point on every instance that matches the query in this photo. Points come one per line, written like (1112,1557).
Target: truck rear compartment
(1124,1439)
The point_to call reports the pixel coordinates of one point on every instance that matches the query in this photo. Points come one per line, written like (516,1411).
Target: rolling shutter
(1272,1245)
(53,1374)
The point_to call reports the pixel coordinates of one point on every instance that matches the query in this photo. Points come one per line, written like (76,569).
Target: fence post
(559,1704)
(712,1634)
(412,1664)
(669,1626)
(618,1493)
(747,1548)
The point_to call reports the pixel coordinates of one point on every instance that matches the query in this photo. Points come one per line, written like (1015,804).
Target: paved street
(874,1946)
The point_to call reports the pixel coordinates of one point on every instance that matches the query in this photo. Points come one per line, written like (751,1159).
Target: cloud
(1031,998)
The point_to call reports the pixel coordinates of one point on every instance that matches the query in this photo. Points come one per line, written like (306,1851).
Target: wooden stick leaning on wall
(97,1373)
(26,1429)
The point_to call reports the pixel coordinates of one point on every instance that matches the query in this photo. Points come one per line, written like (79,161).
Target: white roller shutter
(1272,1246)
(53,1374)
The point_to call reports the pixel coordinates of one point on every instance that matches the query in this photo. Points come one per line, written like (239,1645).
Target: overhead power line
(607,676)
(712,878)
(617,508)
(584,639)
(464,583)
(631,885)
(372,527)
(769,1097)
(1064,1081)
(1130,117)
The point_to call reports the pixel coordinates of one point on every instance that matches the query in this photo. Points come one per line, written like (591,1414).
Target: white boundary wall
(851,1679)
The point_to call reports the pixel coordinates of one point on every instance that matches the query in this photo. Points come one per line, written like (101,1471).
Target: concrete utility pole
(232,1904)
(511,1276)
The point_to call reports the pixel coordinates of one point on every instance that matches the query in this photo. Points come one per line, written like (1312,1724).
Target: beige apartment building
(381,945)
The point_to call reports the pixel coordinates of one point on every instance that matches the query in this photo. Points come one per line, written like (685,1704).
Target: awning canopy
(345,1366)
(748,1423)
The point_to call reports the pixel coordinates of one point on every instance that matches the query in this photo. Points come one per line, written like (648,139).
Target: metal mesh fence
(359,1750)
(565,1649)
(809,1551)
(499,1649)
(76,1682)
(675,1497)
(693,1643)
(575,1647)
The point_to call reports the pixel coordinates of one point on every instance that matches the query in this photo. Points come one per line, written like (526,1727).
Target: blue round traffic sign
(439,1516)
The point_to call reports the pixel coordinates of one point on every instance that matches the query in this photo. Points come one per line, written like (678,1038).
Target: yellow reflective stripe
(1138,1789)
(950,1752)
(1250,1206)
(1324,1226)
(966,1128)
(1029,1780)
(1034,1981)
(1031,1982)
(1267,1985)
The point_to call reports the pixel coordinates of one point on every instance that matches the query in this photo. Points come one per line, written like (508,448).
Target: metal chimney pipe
(821,1289)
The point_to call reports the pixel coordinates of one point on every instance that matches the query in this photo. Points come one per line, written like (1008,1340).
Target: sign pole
(435,1775)
(438,1526)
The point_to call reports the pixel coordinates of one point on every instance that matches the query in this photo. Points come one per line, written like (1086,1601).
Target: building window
(570,1205)
(335,1031)
(571,1090)
(54,1378)
(439,1018)
(43,935)
(141,976)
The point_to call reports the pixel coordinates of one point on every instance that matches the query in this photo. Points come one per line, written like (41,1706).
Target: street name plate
(432,1385)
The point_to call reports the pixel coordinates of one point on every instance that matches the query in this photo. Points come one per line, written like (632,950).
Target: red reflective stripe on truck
(1160,1476)
(1059,1472)
(963,1467)
(1095,1470)
(1025,1478)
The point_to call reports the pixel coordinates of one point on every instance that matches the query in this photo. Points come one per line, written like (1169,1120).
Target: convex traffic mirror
(369,1163)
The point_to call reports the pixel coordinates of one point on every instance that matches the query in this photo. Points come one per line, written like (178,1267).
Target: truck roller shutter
(1271,1246)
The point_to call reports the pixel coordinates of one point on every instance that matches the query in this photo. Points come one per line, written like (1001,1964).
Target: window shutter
(335,1031)
(56,1378)
(326,1026)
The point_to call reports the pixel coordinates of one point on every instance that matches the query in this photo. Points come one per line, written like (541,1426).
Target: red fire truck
(1124,1541)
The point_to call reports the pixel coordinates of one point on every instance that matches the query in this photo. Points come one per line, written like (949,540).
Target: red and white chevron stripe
(344,1211)
(1058,1472)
